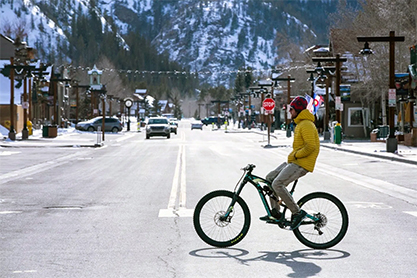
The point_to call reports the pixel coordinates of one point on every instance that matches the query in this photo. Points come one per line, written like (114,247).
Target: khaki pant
(283,175)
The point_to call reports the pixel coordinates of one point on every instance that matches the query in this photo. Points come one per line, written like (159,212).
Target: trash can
(338,134)
(45,131)
(52,131)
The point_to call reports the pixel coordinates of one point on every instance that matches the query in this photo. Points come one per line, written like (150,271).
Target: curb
(250,131)
(399,159)
(54,146)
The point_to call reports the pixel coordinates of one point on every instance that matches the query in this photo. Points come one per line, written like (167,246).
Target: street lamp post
(56,105)
(338,61)
(38,78)
(77,98)
(199,110)
(103,92)
(392,143)
(264,85)
(287,118)
(12,131)
(219,102)
(243,96)
(110,97)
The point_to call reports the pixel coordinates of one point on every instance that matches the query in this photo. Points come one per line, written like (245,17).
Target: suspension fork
(234,199)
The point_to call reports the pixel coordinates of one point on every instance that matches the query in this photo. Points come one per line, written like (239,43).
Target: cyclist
(301,160)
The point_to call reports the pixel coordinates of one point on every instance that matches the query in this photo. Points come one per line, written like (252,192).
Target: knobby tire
(209,226)
(334,223)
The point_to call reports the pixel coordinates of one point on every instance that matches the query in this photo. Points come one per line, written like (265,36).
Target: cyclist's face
(293,113)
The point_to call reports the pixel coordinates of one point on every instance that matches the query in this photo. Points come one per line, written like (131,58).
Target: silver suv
(158,126)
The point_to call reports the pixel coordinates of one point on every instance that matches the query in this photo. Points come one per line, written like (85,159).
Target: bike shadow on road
(296,260)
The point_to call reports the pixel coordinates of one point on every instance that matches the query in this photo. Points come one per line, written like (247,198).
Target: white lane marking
(372,205)
(8,153)
(175,181)
(24,271)
(413,213)
(179,181)
(183,189)
(396,191)
(37,168)
(10,211)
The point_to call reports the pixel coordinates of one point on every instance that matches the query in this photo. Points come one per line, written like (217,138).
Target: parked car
(158,126)
(197,125)
(213,120)
(173,127)
(173,120)
(111,124)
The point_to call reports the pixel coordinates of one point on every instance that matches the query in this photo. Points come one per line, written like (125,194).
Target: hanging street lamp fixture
(392,144)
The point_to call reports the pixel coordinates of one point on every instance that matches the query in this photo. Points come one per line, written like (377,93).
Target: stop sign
(268,104)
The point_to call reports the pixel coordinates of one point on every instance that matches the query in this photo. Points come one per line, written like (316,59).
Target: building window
(355,117)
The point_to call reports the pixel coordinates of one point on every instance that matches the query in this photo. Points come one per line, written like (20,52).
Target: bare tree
(15,30)
(375,18)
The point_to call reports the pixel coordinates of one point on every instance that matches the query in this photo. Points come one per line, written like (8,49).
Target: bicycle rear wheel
(211,225)
(332,225)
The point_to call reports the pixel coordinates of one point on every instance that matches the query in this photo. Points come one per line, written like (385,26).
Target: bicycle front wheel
(211,224)
(332,222)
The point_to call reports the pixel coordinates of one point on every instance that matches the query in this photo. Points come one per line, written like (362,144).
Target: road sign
(392,98)
(338,103)
(268,104)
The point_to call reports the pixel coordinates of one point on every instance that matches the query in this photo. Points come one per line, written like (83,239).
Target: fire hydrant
(30,128)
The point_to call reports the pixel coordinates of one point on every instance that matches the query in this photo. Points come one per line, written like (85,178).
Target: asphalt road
(124,210)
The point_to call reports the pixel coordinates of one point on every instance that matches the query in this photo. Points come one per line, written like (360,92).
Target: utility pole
(287,119)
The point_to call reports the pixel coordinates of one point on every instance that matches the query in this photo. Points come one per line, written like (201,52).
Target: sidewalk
(404,154)
(67,137)
(375,149)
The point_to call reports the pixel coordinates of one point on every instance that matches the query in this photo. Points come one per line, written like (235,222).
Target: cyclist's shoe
(298,217)
(275,215)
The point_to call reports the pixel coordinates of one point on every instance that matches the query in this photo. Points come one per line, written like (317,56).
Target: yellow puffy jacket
(306,145)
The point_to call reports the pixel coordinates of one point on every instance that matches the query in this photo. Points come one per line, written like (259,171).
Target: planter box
(408,139)
(414,137)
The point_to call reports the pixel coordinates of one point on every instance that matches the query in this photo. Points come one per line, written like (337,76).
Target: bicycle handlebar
(249,167)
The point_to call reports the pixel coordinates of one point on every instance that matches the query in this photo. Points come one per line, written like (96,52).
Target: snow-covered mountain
(214,38)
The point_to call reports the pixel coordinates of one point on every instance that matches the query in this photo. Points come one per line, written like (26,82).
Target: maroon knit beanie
(299,104)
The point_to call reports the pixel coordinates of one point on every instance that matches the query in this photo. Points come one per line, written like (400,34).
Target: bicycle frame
(263,191)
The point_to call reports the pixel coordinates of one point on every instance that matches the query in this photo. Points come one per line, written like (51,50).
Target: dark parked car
(110,124)
(211,120)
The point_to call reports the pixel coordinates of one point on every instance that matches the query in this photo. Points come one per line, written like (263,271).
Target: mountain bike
(222,218)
